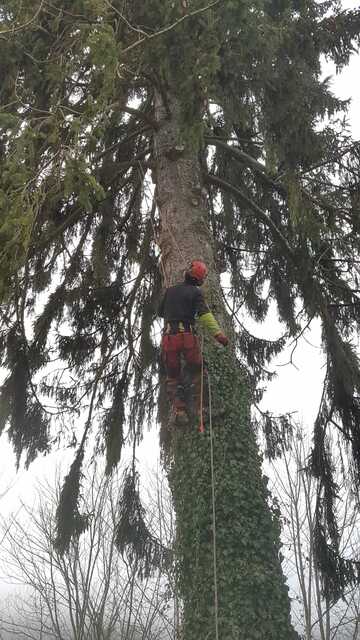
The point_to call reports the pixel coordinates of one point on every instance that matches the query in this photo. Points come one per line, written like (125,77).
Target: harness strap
(178,326)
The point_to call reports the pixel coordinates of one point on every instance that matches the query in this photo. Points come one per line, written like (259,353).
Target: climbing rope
(212,466)
(201,425)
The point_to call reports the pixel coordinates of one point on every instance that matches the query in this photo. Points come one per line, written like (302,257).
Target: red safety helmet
(198,271)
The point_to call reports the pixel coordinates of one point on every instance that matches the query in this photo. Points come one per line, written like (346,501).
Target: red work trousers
(174,347)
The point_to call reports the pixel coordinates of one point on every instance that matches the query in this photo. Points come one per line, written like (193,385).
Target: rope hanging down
(212,467)
(212,473)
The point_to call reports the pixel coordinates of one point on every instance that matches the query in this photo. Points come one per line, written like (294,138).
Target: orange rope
(213,501)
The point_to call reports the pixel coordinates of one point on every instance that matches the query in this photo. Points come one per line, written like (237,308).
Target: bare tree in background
(163,523)
(91,592)
(296,491)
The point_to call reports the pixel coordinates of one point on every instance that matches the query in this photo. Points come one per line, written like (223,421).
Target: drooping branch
(261,214)
(275,184)
(248,160)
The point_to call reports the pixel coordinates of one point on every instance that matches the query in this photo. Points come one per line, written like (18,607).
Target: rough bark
(253,596)
(180,198)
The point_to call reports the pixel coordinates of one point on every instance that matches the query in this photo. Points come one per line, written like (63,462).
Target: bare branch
(170,27)
(26,24)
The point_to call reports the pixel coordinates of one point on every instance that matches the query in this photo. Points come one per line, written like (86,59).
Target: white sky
(295,389)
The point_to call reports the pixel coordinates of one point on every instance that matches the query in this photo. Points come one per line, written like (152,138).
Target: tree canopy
(79,219)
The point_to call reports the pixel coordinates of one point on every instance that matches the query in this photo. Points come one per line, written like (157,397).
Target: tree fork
(253,596)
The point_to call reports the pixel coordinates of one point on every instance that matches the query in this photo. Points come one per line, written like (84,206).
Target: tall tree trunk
(253,596)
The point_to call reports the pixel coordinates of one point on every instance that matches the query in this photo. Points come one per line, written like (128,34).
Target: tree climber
(179,307)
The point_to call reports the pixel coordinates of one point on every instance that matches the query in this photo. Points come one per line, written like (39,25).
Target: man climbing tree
(222,106)
(179,306)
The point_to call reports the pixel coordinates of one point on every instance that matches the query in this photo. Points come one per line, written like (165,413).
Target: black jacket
(182,302)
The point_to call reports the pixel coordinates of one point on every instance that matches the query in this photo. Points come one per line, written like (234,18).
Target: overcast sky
(297,387)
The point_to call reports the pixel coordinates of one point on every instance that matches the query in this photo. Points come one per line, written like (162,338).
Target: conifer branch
(123,141)
(77,16)
(276,185)
(140,115)
(264,217)
(72,219)
(246,159)
(21,27)
(170,27)
(122,17)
